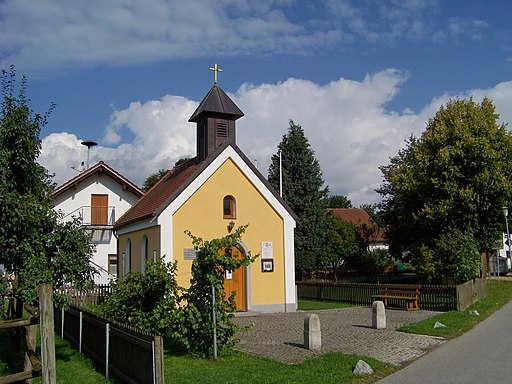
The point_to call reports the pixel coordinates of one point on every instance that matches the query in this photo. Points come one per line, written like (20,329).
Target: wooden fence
(124,353)
(93,296)
(432,297)
(470,292)
(43,315)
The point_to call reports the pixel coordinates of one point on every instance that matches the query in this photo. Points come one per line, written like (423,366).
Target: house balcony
(93,217)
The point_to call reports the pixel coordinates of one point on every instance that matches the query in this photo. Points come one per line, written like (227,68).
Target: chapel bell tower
(215,118)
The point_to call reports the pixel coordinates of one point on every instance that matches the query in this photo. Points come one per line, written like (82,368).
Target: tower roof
(216,102)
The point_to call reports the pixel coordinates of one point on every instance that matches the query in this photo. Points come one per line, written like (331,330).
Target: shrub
(147,301)
(154,302)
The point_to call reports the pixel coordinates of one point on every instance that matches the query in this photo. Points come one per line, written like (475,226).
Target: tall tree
(304,191)
(33,245)
(456,176)
(342,244)
(338,201)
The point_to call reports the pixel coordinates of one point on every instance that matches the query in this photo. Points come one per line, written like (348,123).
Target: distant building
(98,196)
(209,195)
(359,217)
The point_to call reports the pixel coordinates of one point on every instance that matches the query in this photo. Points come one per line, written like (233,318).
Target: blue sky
(359,76)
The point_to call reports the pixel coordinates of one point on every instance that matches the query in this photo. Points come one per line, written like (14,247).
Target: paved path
(480,356)
(280,337)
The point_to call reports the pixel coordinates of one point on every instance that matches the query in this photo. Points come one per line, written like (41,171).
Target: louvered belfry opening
(216,122)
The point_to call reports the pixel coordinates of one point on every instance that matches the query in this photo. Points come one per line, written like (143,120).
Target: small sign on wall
(267,265)
(189,254)
(267,251)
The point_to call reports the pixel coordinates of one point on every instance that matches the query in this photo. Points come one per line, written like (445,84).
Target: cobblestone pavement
(280,336)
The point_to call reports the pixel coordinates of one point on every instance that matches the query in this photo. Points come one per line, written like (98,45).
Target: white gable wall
(74,198)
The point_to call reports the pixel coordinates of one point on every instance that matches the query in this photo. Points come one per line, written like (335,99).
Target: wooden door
(99,209)
(235,281)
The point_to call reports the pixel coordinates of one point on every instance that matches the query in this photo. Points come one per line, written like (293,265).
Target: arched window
(143,253)
(127,257)
(229,207)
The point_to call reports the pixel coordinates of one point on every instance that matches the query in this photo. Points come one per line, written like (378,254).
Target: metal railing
(92,215)
(102,276)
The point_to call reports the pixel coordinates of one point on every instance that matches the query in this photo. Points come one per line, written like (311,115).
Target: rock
(474,312)
(362,368)
(439,325)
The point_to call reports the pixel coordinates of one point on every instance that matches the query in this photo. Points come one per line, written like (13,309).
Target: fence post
(158,360)
(80,333)
(107,331)
(62,323)
(30,339)
(47,333)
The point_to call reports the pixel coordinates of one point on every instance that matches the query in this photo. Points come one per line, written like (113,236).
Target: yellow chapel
(209,195)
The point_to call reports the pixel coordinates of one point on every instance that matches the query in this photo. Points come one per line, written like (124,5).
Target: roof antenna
(88,144)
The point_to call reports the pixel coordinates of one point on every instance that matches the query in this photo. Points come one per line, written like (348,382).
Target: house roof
(175,181)
(357,216)
(216,101)
(149,205)
(98,168)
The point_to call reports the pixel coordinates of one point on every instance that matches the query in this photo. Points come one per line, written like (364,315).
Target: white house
(99,196)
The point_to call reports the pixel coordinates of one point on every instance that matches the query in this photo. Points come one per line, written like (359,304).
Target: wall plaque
(189,254)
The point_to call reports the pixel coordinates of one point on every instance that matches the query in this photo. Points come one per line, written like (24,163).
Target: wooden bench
(408,293)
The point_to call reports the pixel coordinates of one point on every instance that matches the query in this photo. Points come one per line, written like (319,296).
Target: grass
(236,367)
(499,292)
(72,367)
(311,305)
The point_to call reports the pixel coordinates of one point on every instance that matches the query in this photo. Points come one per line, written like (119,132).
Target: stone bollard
(312,333)
(378,315)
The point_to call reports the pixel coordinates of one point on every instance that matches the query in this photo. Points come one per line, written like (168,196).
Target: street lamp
(505,212)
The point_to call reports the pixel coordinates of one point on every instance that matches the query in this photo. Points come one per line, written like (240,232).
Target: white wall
(120,199)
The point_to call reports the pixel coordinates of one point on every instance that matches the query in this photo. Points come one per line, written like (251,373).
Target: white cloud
(346,122)
(45,36)
(49,35)
(463,28)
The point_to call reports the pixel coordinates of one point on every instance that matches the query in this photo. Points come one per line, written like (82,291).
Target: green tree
(455,176)
(153,179)
(33,245)
(373,210)
(342,245)
(338,201)
(304,191)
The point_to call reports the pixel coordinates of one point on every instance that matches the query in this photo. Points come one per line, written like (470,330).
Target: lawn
(499,292)
(72,367)
(236,367)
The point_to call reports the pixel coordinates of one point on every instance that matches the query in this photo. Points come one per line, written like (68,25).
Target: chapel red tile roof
(357,216)
(161,194)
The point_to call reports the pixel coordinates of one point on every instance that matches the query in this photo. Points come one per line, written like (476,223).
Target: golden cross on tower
(215,70)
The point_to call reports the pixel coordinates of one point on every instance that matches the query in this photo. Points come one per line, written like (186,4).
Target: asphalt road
(482,355)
